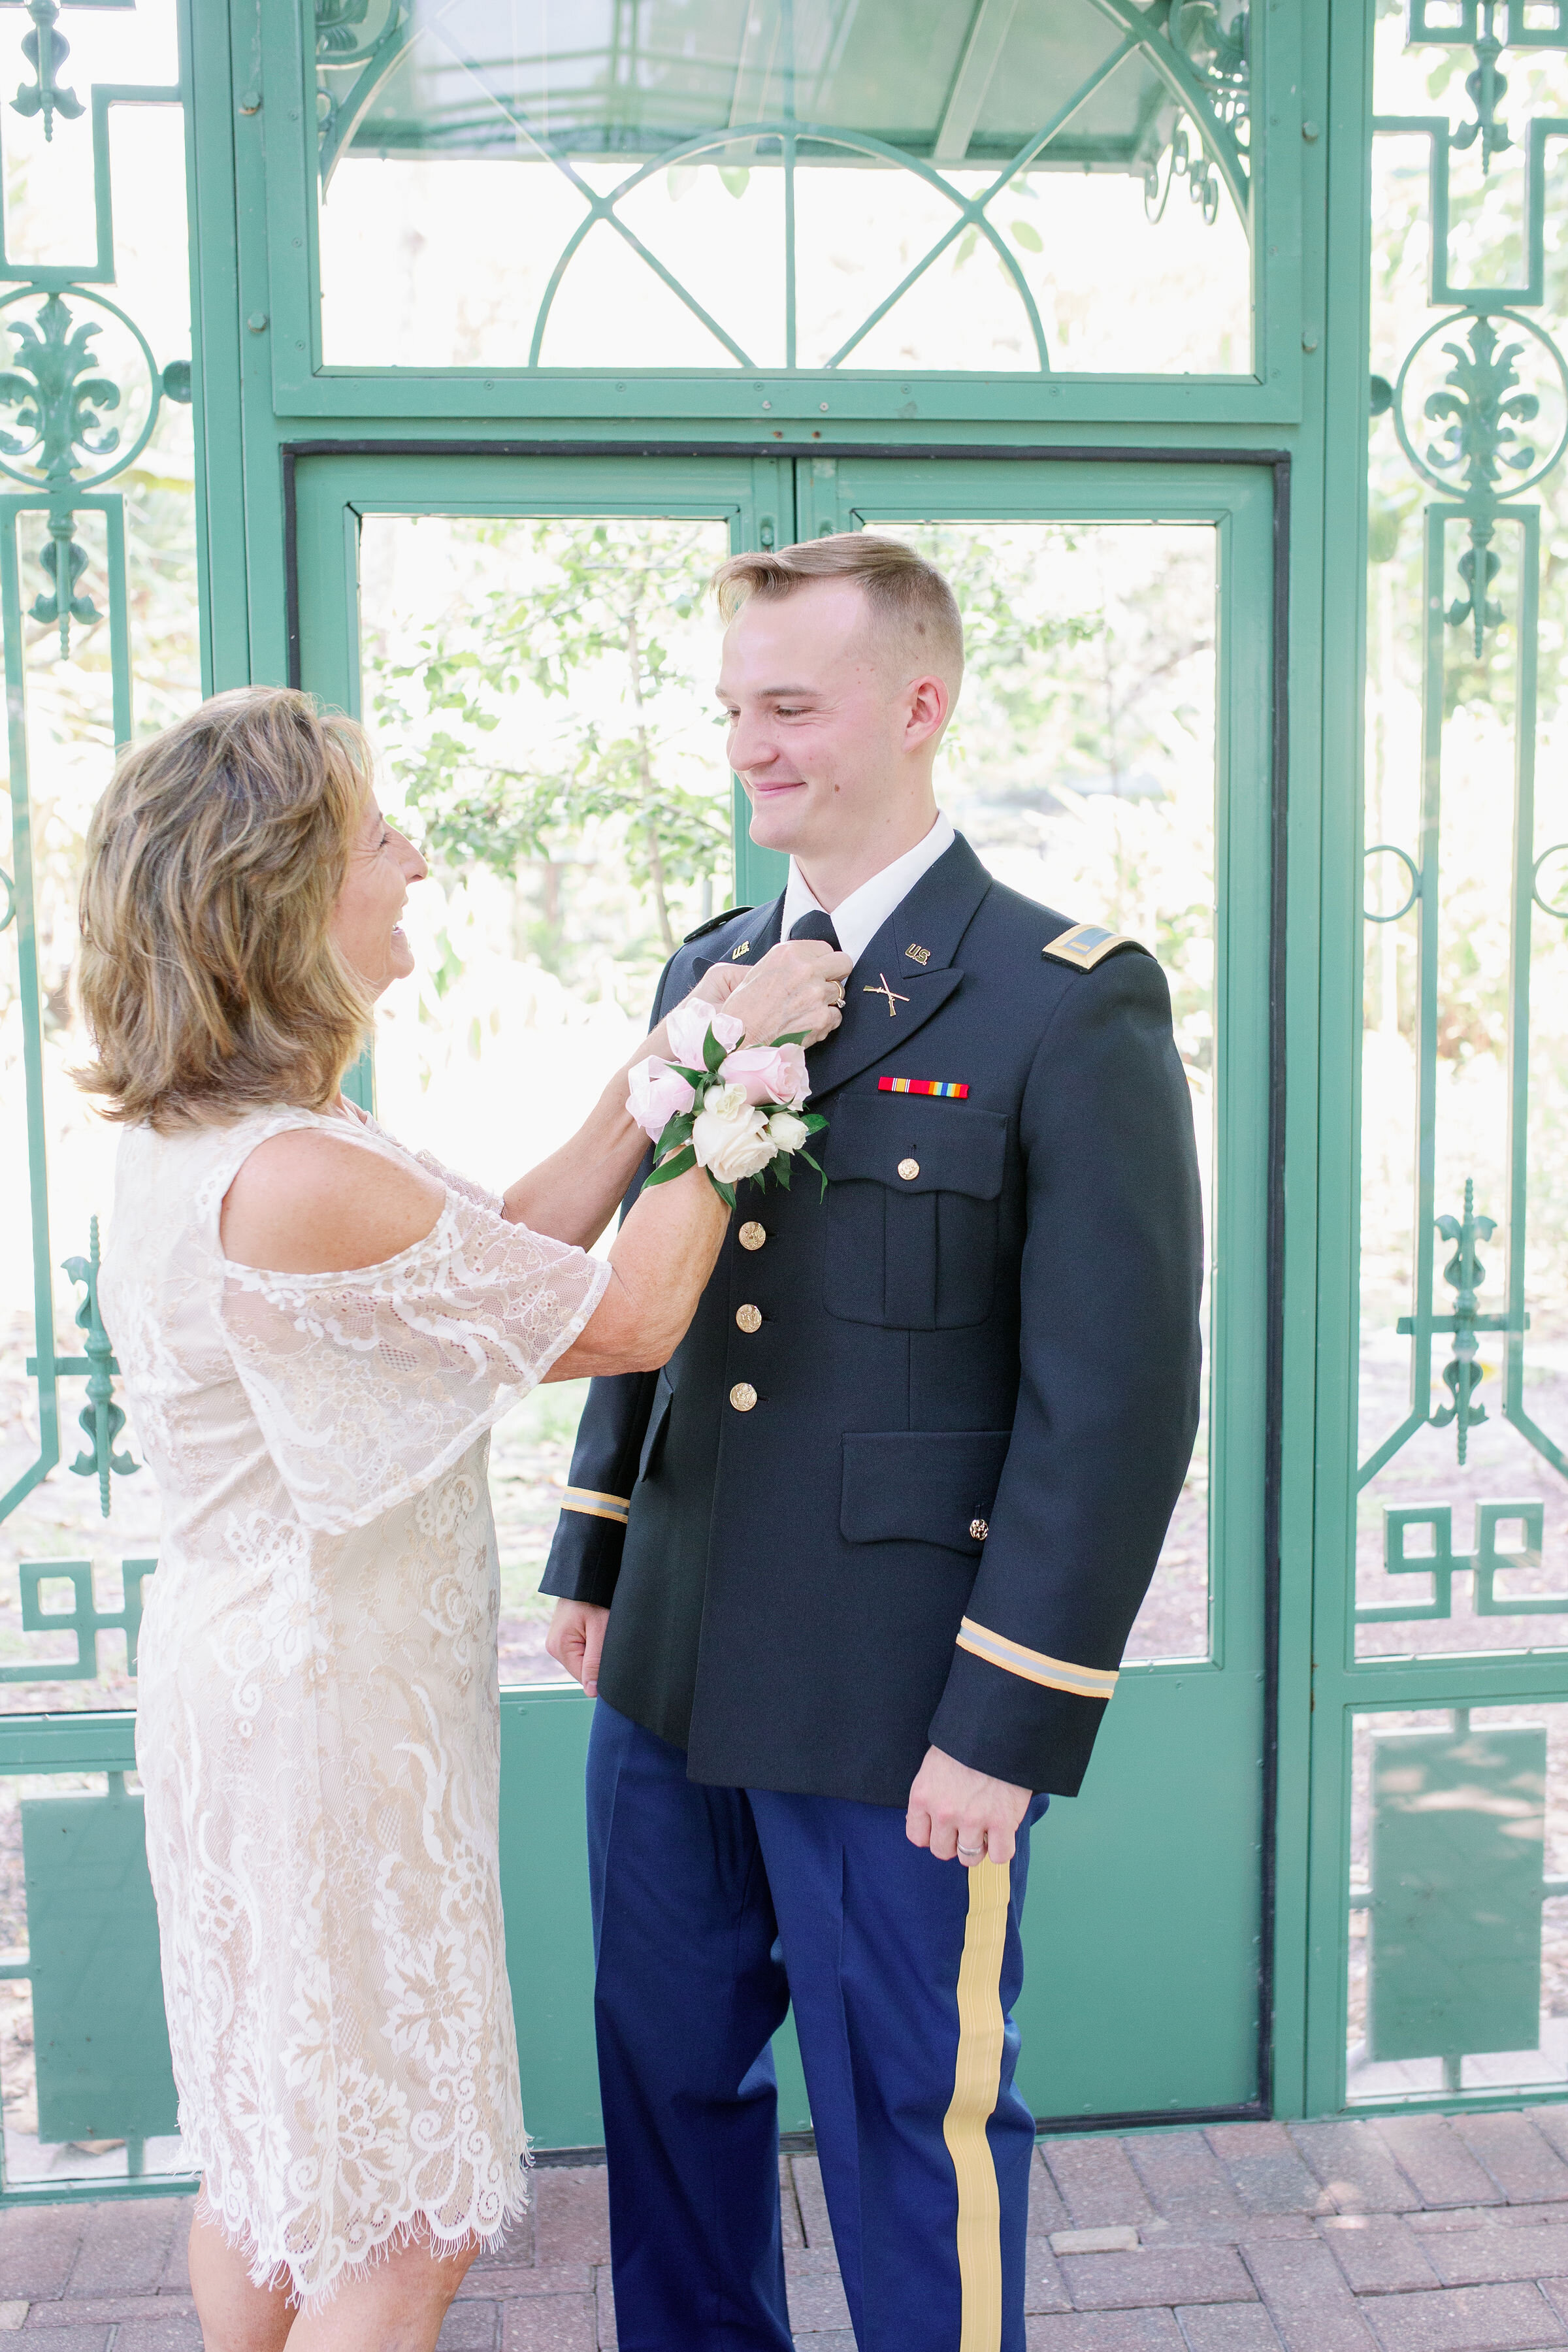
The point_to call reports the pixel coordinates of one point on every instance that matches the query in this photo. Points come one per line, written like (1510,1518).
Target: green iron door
(529,639)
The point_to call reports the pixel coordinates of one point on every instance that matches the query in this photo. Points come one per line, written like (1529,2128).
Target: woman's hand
(797,987)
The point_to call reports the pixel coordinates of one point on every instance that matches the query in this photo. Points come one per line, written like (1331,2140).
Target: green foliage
(597,604)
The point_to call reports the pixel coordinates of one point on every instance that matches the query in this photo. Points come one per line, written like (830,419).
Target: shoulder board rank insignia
(714,921)
(1088,944)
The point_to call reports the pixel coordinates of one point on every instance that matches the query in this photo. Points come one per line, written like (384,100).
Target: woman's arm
(305,1203)
(573,1194)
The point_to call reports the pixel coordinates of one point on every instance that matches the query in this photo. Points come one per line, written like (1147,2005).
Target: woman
(317,1329)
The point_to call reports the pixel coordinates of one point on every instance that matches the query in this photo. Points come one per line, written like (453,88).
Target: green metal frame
(260,393)
(277,134)
(1197,1847)
(1476,419)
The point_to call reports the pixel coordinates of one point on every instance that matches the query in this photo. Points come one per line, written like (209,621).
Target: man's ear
(927,704)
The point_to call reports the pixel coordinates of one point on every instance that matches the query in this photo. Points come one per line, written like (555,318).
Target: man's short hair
(906,595)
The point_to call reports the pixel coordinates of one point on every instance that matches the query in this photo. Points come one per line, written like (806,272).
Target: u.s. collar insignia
(916,954)
(743,950)
(1088,944)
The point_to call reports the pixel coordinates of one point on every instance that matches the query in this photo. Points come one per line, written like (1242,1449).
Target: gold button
(743,1396)
(749,1318)
(908,1170)
(752,1235)
(978,1531)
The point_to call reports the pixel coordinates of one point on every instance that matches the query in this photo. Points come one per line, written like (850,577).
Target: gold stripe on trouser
(976,2077)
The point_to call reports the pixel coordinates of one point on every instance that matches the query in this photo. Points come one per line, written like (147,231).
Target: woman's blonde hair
(209,977)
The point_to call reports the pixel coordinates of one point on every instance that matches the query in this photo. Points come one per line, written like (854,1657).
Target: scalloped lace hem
(417,2226)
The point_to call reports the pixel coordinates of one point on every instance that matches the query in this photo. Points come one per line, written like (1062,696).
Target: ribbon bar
(948,1087)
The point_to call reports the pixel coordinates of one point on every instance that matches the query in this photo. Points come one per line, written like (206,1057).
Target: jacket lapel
(907,972)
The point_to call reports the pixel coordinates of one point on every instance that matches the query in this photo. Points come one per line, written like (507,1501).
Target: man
(852,1576)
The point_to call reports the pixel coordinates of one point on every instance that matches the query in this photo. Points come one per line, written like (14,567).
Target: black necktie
(815,925)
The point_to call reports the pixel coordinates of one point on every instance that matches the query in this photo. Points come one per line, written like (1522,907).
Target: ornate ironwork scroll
(1483,435)
(63,446)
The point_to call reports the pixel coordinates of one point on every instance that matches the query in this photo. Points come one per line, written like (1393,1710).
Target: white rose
(730,1136)
(788,1132)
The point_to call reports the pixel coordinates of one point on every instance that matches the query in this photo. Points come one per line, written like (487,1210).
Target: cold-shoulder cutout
(314,1200)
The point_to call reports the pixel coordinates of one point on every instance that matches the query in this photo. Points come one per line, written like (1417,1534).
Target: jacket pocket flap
(950,1147)
(921,1486)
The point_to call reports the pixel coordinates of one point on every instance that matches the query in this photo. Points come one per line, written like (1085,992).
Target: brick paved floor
(1414,2234)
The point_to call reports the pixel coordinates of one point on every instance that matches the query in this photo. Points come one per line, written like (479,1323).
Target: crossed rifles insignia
(886,990)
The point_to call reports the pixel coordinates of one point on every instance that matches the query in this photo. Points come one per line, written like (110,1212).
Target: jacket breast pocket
(913,1202)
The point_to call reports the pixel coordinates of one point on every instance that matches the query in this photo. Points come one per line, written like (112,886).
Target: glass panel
(1462,1534)
(106,510)
(1080,764)
(87,2089)
(1458,1947)
(541,693)
(753,183)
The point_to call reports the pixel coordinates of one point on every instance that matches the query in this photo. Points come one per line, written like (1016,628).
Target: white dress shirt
(860,917)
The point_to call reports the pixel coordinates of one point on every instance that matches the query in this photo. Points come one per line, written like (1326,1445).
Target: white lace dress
(318,1729)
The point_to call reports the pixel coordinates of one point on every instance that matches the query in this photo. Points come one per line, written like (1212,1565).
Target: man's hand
(575,1638)
(959,1813)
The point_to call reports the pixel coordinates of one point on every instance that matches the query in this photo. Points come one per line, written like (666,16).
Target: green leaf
(677,1131)
(779,1169)
(666,1169)
(1029,236)
(815,1122)
(966,245)
(726,1192)
(796,1038)
(713,1053)
(737,177)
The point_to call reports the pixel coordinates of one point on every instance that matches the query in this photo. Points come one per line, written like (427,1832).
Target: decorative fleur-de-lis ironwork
(46,51)
(1481,409)
(58,402)
(1219,61)
(58,406)
(1465,1274)
(101,1419)
(1487,89)
(62,561)
(338,25)
(1220,57)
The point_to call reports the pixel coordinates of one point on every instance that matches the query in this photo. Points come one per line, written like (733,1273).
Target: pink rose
(689,1025)
(656,1094)
(770,1074)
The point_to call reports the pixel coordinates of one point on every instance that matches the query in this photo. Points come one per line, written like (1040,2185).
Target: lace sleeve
(368,1385)
(463,1185)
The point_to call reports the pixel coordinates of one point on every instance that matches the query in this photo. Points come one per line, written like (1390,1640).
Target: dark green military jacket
(907,1477)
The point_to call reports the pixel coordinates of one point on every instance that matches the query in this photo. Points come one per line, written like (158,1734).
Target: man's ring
(972,1852)
(839,999)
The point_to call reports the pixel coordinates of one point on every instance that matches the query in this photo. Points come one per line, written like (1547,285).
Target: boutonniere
(734,1110)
